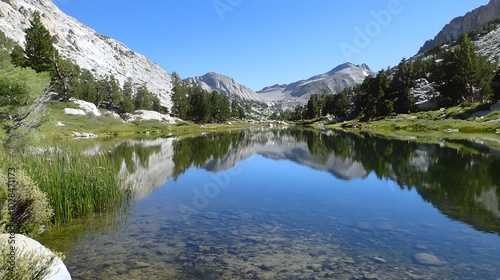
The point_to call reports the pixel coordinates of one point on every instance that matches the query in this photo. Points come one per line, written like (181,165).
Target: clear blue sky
(261,43)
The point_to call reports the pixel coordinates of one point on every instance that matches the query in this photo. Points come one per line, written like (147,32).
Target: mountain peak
(348,65)
(224,84)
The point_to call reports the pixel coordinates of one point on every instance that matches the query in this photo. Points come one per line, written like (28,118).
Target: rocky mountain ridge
(335,80)
(218,82)
(463,24)
(89,49)
(343,76)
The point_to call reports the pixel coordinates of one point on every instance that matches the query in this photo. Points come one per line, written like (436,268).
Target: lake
(294,204)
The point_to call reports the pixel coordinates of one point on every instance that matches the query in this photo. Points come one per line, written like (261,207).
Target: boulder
(425,96)
(87,106)
(150,115)
(71,111)
(25,245)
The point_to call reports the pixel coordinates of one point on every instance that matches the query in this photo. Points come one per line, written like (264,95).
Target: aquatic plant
(77,185)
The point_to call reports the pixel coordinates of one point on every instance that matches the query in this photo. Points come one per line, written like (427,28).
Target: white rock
(60,124)
(58,270)
(150,115)
(84,135)
(425,97)
(87,107)
(71,111)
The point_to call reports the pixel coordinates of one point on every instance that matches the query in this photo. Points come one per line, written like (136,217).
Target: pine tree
(180,94)
(400,88)
(464,73)
(127,103)
(18,57)
(341,104)
(40,52)
(65,71)
(313,109)
(84,87)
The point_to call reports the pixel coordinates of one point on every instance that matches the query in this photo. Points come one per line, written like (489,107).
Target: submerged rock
(428,259)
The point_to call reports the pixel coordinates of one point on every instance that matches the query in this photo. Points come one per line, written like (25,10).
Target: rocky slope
(341,77)
(466,23)
(85,46)
(224,84)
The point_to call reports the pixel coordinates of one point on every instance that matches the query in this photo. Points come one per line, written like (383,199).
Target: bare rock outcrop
(466,23)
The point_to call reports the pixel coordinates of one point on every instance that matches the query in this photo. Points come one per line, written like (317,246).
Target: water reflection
(293,203)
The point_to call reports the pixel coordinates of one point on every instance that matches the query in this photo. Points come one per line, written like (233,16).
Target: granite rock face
(466,23)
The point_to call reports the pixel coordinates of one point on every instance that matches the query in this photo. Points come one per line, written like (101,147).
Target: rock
(379,260)
(137,264)
(71,111)
(60,124)
(87,106)
(451,130)
(464,24)
(84,135)
(58,270)
(370,276)
(428,259)
(425,96)
(146,115)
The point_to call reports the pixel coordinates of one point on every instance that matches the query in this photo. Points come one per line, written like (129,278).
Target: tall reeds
(77,185)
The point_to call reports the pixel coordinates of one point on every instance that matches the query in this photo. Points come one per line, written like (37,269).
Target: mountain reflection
(461,179)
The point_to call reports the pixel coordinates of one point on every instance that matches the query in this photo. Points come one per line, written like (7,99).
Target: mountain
(463,24)
(341,77)
(224,84)
(85,46)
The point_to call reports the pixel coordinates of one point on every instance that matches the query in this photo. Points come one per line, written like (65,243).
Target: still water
(295,204)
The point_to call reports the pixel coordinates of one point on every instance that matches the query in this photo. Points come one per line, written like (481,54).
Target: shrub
(31,207)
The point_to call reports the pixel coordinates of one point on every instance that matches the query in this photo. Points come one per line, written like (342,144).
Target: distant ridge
(463,24)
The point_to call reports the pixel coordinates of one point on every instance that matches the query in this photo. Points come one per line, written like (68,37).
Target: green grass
(107,126)
(76,185)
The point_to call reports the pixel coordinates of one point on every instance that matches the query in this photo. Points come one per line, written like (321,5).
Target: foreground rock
(26,245)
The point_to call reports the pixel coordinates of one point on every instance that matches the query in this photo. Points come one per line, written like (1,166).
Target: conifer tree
(18,57)
(39,50)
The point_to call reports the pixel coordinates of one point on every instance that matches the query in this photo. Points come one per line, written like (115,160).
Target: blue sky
(261,43)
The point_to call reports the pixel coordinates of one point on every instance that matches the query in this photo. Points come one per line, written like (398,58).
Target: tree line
(192,103)
(460,73)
